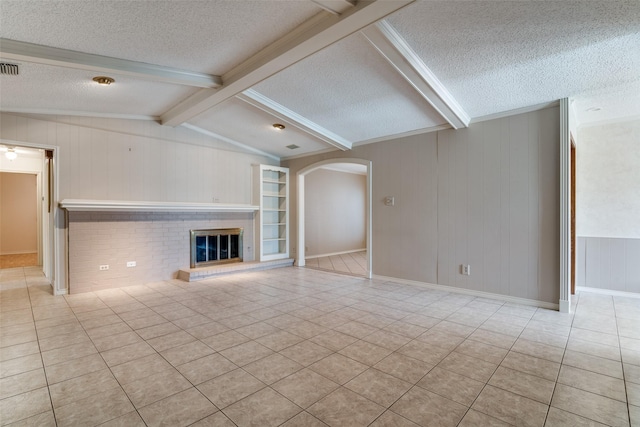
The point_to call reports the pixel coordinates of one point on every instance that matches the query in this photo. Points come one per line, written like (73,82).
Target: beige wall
(487,196)
(334,212)
(18,213)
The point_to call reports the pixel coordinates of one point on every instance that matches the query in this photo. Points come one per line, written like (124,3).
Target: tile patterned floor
(354,263)
(300,347)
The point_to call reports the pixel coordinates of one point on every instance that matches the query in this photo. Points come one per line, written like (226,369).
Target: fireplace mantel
(82,205)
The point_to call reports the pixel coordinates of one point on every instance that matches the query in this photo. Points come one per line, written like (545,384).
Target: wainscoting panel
(608,263)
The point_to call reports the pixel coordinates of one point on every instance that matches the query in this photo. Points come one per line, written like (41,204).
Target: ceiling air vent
(293,146)
(8,69)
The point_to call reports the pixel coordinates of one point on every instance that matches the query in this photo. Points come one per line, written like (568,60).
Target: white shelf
(82,205)
(271,191)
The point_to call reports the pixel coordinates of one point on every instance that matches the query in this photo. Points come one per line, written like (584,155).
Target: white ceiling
(429,65)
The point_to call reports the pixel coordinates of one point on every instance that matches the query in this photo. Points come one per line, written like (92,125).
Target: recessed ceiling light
(278,126)
(293,146)
(103,80)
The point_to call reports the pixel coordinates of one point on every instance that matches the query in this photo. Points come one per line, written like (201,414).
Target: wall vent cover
(293,146)
(8,69)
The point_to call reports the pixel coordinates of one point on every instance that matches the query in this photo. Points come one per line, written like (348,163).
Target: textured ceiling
(497,56)
(205,36)
(64,89)
(239,121)
(353,91)
(491,56)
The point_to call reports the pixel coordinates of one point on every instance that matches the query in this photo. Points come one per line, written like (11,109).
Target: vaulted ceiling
(336,73)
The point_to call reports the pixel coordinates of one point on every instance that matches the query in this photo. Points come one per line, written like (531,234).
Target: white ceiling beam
(314,35)
(29,52)
(404,59)
(269,106)
(337,7)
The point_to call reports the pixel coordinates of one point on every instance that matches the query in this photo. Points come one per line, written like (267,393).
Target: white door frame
(52,235)
(300,261)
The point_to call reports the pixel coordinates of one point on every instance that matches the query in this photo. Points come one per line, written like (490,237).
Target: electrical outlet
(465,269)
(104,267)
(131,263)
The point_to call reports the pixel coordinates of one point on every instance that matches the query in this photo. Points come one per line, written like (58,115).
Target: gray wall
(487,196)
(335,212)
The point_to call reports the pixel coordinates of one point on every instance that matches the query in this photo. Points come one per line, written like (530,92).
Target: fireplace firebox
(216,246)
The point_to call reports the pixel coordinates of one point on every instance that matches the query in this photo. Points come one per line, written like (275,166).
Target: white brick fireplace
(155,236)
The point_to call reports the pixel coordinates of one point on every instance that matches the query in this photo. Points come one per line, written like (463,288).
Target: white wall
(18,213)
(487,196)
(608,181)
(608,206)
(112,159)
(335,212)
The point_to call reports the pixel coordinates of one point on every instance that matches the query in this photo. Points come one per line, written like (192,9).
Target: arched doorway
(300,261)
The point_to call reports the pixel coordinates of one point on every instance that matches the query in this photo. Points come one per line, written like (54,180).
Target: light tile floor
(300,347)
(354,263)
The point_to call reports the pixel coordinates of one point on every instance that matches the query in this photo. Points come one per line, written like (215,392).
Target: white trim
(300,256)
(514,112)
(565,207)
(56,112)
(39,54)
(230,141)
(402,135)
(607,292)
(315,34)
(19,252)
(82,205)
(56,270)
(336,253)
(268,105)
(406,61)
(480,294)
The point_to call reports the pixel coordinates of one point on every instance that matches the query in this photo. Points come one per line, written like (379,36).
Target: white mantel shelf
(79,205)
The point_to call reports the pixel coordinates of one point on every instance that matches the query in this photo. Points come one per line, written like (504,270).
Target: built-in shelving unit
(272,195)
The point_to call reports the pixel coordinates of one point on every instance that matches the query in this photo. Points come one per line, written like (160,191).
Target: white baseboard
(335,253)
(608,292)
(19,252)
(481,294)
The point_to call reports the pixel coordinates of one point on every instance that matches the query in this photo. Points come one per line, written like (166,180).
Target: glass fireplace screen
(217,246)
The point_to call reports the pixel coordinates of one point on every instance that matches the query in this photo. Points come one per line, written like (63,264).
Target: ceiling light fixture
(11,154)
(103,80)
(278,126)
(593,109)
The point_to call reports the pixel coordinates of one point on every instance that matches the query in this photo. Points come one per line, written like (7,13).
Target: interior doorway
(334,224)
(39,161)
(20,245)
